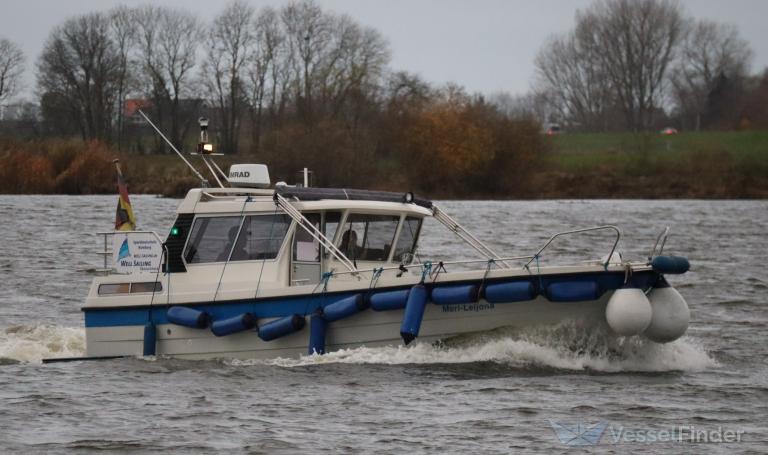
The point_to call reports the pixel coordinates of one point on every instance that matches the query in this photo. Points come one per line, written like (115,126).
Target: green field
(579,165)
(581,152)
(721,165)
(628,165)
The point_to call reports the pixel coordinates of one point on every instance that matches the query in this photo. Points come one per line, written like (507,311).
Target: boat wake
(565,347)
(32,344)
(562,348)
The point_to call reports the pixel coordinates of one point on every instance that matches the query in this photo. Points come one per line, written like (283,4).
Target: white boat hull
(367,328)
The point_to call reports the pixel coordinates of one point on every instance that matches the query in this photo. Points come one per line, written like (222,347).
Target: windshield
(368,237)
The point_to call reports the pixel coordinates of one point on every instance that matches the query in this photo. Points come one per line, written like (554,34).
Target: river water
(496,393)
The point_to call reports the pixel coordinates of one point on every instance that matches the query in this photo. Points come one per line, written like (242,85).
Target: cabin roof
(316,194)
(227,200)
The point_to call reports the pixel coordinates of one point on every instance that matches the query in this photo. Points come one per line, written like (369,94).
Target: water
(496,393)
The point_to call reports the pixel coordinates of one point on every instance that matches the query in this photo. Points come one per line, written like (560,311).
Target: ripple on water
(484,394)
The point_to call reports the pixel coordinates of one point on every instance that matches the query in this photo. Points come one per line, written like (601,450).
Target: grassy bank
(572,165)
(686,165)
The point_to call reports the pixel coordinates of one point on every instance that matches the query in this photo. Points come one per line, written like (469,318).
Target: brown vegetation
(300,86)
(66,167)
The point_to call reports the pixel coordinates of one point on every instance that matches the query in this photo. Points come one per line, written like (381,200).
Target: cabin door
(305,263)
(306,258)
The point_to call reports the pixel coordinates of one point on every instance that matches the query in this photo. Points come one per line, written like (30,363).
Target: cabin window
(368,237)
(133,288)
(116,288)
(306,248)
(146,287)
(331,224)
(406,243)
(211,239)
(261,237)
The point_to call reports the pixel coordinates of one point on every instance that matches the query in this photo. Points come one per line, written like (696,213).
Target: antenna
(203,180)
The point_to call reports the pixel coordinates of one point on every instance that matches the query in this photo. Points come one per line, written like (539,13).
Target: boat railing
(580,231)
(499,261)
(305,224)
(420,265)
(107,250)
(661,240)
(459,230)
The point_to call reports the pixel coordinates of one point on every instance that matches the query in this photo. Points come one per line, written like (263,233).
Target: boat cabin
(244,231)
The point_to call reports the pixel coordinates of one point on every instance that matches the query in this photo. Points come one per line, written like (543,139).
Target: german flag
(124,218)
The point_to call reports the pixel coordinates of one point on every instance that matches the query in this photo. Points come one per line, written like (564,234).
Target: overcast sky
(484,45)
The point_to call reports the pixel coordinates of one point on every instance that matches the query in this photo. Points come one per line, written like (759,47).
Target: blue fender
(414,313)
(239,323)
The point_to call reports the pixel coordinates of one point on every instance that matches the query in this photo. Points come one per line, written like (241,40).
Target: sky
(486,46)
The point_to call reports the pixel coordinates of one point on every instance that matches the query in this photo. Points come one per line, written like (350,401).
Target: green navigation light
(175,231)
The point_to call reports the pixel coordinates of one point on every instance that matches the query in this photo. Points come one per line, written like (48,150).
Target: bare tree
(636,40)
(11,68)
(573,81)
(263,61)
(355,63)
(406,90)
(308,33)
(168,41)
(123,33)
(78,69)
(230,41)
(709,50)
(534,105)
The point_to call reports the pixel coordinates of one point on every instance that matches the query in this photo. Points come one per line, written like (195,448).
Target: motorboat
(251,269)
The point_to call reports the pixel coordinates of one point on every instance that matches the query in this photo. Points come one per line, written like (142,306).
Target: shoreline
(453,199)
(707,166)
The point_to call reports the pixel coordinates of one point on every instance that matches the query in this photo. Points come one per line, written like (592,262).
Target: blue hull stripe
(307,304)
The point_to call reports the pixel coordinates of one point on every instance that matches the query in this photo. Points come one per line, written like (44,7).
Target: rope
(324,282)
(374,280)
(264,260)
(154,286)
(440,267)
(167,272)
(426,268)
(375,277)
(234,242)
(485,275)
(627,273)
(538,271)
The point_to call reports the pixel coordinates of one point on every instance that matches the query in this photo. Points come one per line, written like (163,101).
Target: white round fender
(628,312)
(670,314)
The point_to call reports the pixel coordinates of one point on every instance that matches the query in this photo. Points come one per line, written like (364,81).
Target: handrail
(210,168)
(408,266)
(465,235)
(577,231)
(305,224)
(662,237)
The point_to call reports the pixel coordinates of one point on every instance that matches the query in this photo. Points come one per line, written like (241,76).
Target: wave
(32,344)
(562,348)
(565,347)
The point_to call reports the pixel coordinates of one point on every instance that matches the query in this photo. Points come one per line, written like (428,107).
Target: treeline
(302,86)
(293,87)
(640,65)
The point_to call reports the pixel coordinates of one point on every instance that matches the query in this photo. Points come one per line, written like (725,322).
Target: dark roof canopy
(316,194)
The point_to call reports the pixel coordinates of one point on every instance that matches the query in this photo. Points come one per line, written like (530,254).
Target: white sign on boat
(136,252)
